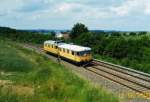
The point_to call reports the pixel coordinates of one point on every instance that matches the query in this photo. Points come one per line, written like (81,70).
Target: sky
(124,15)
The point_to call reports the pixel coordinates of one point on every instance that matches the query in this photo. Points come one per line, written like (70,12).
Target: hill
(26,76)
(23,35)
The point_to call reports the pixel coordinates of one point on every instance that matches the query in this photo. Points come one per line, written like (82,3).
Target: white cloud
(68,12)
(147,8)
(132,6)
(81,11)
(75,8)
(7,6)
(65,7)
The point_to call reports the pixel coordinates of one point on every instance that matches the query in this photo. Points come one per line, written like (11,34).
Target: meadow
(26,76)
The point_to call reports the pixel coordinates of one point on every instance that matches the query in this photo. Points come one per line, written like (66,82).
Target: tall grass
(143,65)
(50,81)
(10,60)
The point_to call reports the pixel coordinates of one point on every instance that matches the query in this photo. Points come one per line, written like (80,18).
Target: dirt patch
(6,74)
(18,90)
(21,90)
(5,82)
(6,86)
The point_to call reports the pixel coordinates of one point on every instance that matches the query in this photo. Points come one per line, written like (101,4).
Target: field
(26,76)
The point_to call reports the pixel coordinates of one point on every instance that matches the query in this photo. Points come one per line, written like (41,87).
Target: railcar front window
(84,53)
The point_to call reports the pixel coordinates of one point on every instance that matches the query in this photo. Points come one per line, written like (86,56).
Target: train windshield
(84,53)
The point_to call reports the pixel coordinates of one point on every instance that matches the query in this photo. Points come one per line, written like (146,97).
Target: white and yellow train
(74,53)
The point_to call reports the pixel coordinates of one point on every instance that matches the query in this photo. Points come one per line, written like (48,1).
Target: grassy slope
(29,77)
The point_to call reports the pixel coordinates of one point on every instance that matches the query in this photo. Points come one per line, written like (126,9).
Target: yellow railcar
(74,53)
(51,46)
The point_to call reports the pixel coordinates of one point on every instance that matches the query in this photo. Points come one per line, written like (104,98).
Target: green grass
(142,65)
(34,78)
(136,37)
(10,59)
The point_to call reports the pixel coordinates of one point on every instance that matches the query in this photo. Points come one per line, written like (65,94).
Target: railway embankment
(127,84)
(28,76)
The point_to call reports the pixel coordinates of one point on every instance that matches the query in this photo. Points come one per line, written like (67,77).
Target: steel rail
(125,72)
(126,69)
(129,69)
(124,78)
(132,88)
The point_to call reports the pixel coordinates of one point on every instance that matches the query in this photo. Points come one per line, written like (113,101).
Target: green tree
(133,33)
(53,34)
(78,29)
(142,33)
(115,34)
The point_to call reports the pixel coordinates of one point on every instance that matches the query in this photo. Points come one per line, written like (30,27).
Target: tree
(53,33)
(78,29)
(115,34)
(133,33)
(142,33)
(124,34)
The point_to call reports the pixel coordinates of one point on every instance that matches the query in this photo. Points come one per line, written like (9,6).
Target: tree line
(131,49)
(24,36)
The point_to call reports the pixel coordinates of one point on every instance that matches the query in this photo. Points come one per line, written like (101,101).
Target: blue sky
(126,15)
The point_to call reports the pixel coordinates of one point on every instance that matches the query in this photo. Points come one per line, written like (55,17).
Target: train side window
(63,49)
(78,53)
(67,51)
(73,53)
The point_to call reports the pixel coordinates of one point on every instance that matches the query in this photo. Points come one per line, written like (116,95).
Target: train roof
(74,47)
(53,42)
(50,42)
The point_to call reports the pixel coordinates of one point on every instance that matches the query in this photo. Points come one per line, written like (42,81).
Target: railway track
(134,80)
